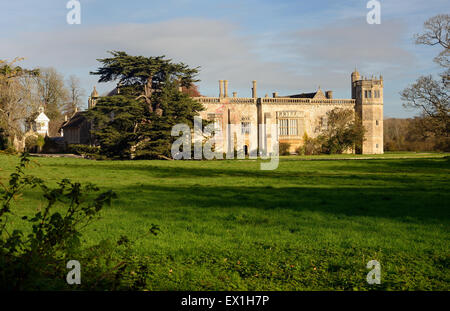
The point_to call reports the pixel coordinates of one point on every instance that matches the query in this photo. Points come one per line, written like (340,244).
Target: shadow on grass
(351,188)
(396,203)
(328,168)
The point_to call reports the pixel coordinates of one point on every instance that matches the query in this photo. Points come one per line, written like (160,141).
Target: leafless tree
(52,92)
(17,99)
(76,92)
(430,96)
(53,95)
(436,33)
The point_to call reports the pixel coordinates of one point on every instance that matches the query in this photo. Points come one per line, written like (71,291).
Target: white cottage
(39,125)
(42,123)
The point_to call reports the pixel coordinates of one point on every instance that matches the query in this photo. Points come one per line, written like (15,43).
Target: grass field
(309,225)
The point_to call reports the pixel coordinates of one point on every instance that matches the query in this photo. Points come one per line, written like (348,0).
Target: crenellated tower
(368,94)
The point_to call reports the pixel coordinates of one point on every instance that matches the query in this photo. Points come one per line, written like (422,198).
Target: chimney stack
(225,85)
(329,94)
(254,89)
(234,94)
(275,94)
(220,88)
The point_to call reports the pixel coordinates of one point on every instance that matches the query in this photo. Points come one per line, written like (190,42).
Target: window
(288,127)
(370,94)
(217,119)
(218,124)
(377,146)
(365,94)
(245,127)
(283,127)
(377,122)
(293,127)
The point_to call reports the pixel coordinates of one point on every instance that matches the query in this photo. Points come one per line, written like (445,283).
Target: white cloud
(285,62)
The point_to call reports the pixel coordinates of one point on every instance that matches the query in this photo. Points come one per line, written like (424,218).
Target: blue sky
(288,46)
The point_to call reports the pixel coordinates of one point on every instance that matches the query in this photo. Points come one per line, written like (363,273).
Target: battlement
(268,100)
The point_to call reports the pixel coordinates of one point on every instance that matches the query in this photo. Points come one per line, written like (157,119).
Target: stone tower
(93,99)
(368,94)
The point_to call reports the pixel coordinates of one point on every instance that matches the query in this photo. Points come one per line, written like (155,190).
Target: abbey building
(297,114)
(291,116)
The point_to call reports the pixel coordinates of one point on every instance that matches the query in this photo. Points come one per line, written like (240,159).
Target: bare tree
(17,99)
(53,95)
(430,96)
(75,95)
(52,92)
(436,33)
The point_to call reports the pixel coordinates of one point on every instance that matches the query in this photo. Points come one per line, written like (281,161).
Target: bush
(36,259)
(51,146)
(3,140)
(85,151)
(284,148)
(40,142)
(311,146)
(31,143)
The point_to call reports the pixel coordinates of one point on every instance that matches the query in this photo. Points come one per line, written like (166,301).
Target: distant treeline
(410,135)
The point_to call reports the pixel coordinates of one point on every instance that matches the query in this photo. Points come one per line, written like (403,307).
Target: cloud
(289,61)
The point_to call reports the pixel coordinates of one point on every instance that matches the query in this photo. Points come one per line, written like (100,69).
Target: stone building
(77,129)
(295,115)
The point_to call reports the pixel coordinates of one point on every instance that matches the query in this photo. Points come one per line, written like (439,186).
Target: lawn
(312,224)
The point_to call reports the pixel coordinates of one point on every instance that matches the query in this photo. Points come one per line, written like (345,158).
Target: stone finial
(234,94)
(94,93)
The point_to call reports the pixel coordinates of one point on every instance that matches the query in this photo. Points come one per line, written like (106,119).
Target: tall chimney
(254,89)
(220,88)
(275,94)
(329,94)
(225,85)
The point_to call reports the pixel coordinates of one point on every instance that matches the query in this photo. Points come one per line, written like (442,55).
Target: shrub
(85,151)
(31,143)
(36,259)
(311,146)
(284,148)
(3,140)
(40,142)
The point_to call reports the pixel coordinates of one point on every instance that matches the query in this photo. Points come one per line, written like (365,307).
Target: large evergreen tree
(136,123)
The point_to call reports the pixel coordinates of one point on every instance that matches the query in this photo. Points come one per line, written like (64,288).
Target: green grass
(309,225)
